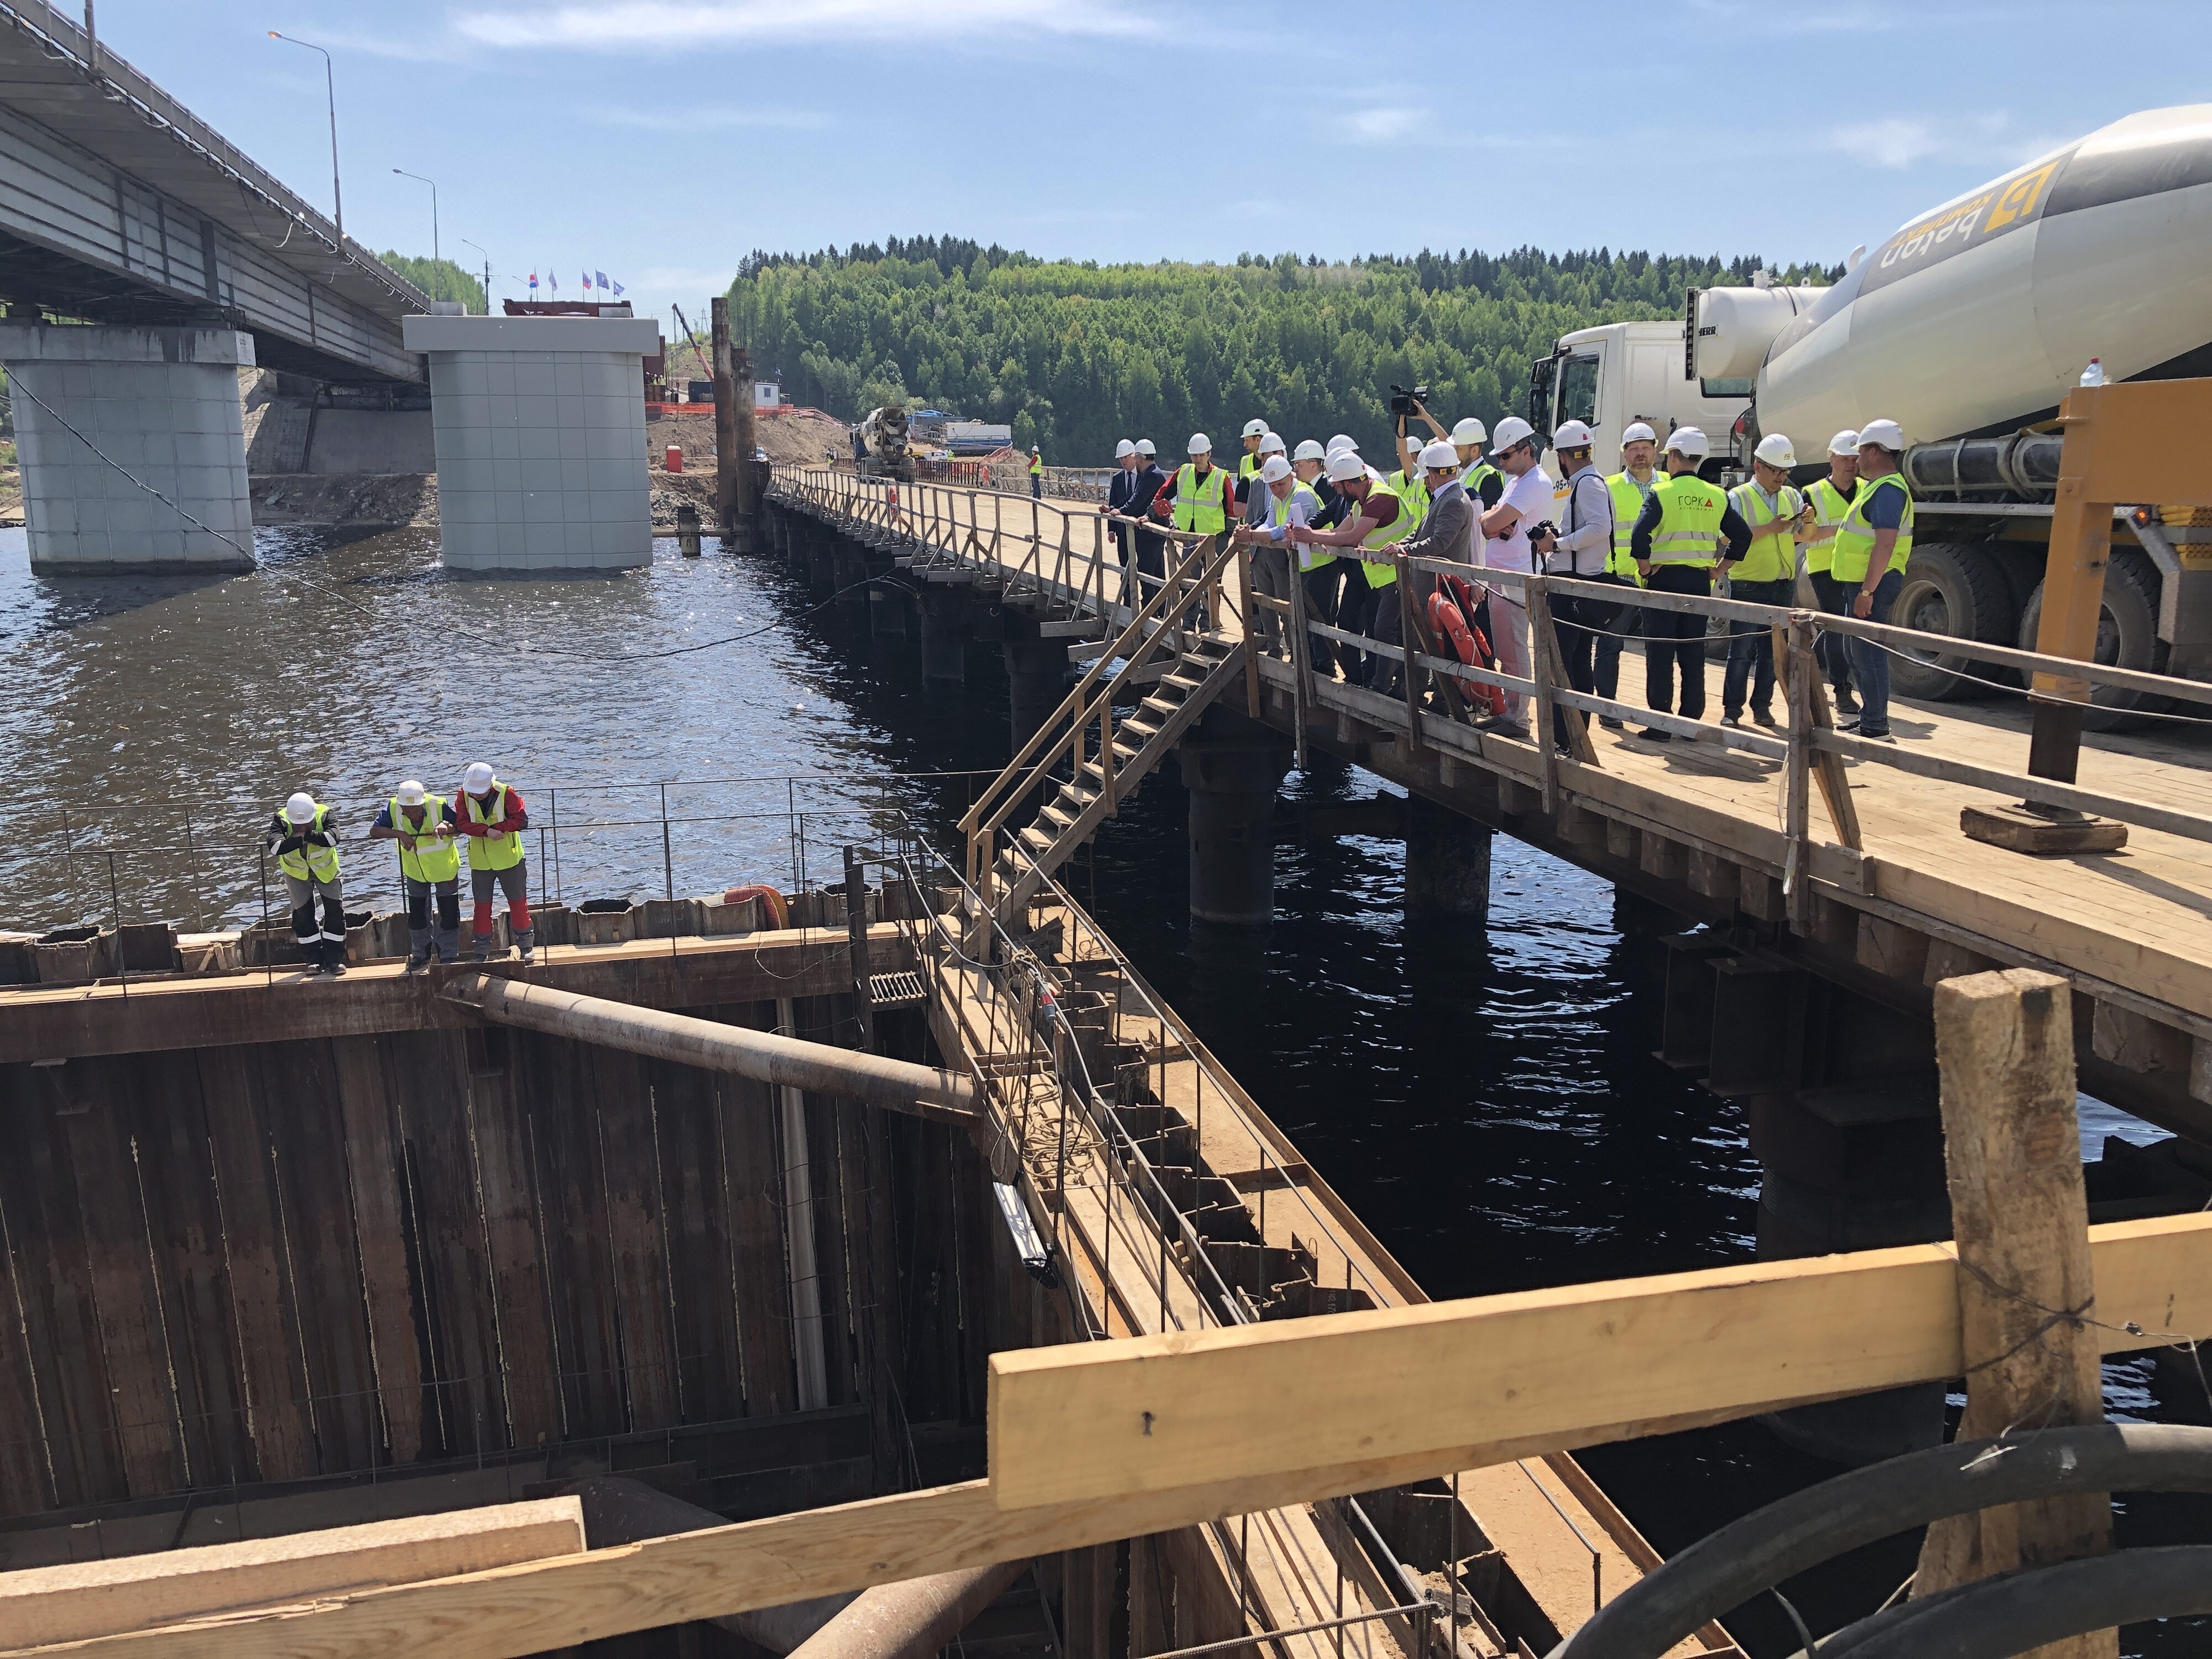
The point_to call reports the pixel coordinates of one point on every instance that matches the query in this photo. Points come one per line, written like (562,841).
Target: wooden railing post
(2004,1045)
(1540,671)
(1301,656)
(1793,658)
(1251,618)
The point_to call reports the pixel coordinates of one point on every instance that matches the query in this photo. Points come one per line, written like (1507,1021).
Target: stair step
(1036,840)
(1161,706)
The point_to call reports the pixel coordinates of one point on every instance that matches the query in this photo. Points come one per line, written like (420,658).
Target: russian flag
(587,282)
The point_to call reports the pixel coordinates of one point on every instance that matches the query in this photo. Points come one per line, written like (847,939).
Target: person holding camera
(1409,480)
(1677,541)
(1522,505)
(1580,548)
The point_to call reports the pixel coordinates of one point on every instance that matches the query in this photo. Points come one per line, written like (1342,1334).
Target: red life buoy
(1468,644)
(778,912)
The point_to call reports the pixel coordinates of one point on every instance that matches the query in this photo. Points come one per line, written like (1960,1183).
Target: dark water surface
(1488,1103)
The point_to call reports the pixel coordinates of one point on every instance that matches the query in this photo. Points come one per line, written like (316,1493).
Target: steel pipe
(898,1084)
(912,1621)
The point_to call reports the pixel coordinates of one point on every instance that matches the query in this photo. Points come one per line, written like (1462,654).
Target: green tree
(441,279)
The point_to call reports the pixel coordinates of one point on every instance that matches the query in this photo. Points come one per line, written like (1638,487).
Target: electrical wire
(496,641)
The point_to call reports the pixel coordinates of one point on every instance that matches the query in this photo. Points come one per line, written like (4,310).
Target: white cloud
(1384,123)
(655,24)
(712,120)
(1902,143)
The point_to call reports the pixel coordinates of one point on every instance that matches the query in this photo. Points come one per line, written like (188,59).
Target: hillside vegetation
(441,279)
(1075,355)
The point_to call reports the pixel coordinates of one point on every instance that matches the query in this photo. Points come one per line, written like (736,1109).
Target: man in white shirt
(1283,503)
(1582,508)
(1505,527)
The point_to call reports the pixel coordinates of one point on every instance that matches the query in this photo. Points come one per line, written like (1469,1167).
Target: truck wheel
(2127,637)
(1959,589)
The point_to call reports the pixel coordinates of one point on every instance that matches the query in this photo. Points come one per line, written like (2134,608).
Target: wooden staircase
(1200,664)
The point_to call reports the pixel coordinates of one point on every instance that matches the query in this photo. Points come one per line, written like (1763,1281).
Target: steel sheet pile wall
(266,1262)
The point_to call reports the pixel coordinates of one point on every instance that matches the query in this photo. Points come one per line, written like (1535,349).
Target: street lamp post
(479,247)
(435,256)
(330,87)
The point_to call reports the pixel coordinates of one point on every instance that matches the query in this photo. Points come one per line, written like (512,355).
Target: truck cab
(1617,373)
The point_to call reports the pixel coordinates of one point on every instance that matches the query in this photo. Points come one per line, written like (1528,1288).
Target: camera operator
(1505,527)
(1406,405)
(1579,548)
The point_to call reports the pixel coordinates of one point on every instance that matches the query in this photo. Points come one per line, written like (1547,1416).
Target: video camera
(1402,400)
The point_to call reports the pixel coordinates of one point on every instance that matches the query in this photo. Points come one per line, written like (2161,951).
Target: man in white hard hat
(1525,504)
(1375,520)
(429,867)
(1250,463)
(1872,545)
(1322,570)
(1121,503)
(1286,502)
(1579,548)
(1684,532)
(1446,531)
(1831,498)
(1482,481)
(1199,495)
(1254,501)
(493,817)
(1775,510)
(1630,489)
(1408,480)
(1037,473)
(1151,546)
(305,840)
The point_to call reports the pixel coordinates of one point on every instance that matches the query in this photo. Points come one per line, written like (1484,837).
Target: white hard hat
(1470,431)
(1275,470)
(1688,441)
(1200,443)
(1885,433)
(1511,430)
(1439,457)
(411,793)
(1144,447)
(476,779)
(1310,449)
(1345,465)
(1256,429)
(1638,432)
(1270,445)
(1342,440)
(1123,450)
(1845,442)
(301,808)
(1571,434)
(1033,449)
(1776,450)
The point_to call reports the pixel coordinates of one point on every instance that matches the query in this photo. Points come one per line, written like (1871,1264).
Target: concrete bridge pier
(887,605)
(943,636)
(160,404)
(849,568)
(818,547)
(1447,864)
(1036,680)
(1232,768)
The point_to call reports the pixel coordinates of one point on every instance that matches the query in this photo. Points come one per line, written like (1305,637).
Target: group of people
(487,814)
(1322,515)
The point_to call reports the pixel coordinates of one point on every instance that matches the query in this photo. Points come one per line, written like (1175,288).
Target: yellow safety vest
(1830,504)
(1036,466)
(1774,554)
(1382,573)
(491,852)
(1412,491)
(319,863)
(1279,514)
(1209,517)
(1248,467)
(434,857)
(1854,543)
(1689,531)
(1628,499)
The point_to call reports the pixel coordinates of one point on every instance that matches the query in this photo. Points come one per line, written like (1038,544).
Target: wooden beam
(2004,1042)
(1568,1367)
(1512,1376)
(87,1599)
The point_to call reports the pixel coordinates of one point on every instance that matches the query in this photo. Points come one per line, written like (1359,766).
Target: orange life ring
(1468,644)
(778,912)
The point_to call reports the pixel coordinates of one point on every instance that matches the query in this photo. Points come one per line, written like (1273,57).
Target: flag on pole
(618,287)
(603,284)
(533,282)
(553,277)
(587,282)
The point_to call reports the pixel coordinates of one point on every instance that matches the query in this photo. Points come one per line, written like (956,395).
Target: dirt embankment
(346,499)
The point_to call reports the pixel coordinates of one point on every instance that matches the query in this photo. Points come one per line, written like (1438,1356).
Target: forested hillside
(441,279)
(1076,356)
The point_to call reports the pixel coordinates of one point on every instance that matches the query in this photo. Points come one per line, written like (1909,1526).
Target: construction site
(817,1216)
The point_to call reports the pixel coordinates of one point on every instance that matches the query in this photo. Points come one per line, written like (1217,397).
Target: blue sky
(660,140)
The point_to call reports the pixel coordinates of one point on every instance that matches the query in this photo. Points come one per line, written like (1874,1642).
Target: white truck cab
(1619,373)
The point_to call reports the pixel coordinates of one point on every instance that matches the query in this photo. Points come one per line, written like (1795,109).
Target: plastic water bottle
(2094,374)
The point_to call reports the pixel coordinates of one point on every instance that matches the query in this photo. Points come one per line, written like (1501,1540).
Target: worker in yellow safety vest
(1872,545)
(1037,473)
(1630,489)
(1831,500)
(1376,516)
(1198,496)
(305,841)
(492,816)
(1775,510)
(1288,501)
(1687,528)
(429,868)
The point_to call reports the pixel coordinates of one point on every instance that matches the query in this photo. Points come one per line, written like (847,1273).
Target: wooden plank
(1563,1367)
(832,1254)
(116,1247)
(623,1106)
(744,1118)
(465,1407)
(550,1076)
(57,1310)
(271,1364)
(88,1599)
(25,1486)
(515,1237)
(2004,1042)
(710,1375)
(168,1127)
(380,1238)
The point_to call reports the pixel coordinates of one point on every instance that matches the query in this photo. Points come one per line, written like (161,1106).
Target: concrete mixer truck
(1966,327)
(881,452)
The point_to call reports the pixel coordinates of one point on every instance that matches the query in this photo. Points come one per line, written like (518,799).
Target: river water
(1488,1102)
